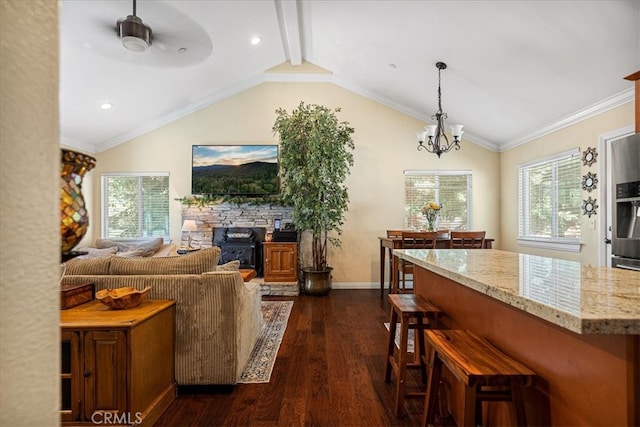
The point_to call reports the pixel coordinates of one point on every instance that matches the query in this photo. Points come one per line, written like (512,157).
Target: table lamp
(189,225)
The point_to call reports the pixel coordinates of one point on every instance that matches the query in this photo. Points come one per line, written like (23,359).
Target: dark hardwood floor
(329,372)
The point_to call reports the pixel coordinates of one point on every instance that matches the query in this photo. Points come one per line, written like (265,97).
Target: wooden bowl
(122,298)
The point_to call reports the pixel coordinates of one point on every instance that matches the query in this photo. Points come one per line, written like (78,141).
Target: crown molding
(607,104)
(229,91)
(77,146)
(215,97)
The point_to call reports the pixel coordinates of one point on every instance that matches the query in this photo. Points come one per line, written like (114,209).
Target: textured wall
(29,213)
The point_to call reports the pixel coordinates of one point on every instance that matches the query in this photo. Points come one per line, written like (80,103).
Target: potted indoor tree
(315,159)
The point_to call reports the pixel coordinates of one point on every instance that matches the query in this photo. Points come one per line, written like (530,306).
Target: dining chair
(467,239)
(414,240)
(392,234)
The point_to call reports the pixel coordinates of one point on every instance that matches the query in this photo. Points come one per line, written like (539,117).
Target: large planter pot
(74,218)
(316,282)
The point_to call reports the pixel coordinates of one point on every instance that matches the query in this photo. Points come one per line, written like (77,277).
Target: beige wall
(385,147)
(582,135)
(29,213)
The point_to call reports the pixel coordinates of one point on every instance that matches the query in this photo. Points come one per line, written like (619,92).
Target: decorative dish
(122,298)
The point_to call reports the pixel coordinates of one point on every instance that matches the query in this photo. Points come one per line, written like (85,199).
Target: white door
(606,191)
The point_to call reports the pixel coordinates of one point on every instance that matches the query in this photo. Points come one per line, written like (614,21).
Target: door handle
(607,240)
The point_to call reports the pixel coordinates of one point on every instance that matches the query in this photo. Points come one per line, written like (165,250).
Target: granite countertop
(581,298)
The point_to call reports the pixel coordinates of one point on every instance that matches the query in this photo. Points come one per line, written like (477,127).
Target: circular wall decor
(589,207)
(589,156)
(589,182)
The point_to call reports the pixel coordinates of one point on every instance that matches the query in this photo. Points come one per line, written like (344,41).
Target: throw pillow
(96,253)
(193,263)
(149,247)
(107,243)
(230,266)
(132,253)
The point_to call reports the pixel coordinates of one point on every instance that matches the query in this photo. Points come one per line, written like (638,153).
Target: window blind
(135,206)
(549,198)
(451,189)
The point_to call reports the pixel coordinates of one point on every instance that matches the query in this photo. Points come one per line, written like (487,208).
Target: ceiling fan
(135,34)
(177,39)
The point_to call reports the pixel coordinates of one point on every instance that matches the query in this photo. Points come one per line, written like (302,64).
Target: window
(451,189)
(135,205)
(549,202)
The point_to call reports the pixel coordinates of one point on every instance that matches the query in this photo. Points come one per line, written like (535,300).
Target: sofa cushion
(148,246)
(192,263)
(88,266)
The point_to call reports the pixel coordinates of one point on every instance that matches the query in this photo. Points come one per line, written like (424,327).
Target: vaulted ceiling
(516,69)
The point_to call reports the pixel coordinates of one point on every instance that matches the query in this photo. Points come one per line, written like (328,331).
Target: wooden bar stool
(412,312)
(487,373)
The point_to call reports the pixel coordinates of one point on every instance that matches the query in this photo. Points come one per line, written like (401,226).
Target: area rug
(263,356)
(410,341)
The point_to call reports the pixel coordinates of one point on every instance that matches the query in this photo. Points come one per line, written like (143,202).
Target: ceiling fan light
(134,44)
(135,35)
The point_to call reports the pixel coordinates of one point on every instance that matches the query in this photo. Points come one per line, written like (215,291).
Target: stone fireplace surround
(227,215)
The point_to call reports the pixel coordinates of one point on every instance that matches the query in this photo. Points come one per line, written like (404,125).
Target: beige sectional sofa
(218,316)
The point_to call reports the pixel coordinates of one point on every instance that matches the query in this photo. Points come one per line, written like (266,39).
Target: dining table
(388,244)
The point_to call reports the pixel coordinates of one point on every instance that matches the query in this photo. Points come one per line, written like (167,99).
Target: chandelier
(438,142)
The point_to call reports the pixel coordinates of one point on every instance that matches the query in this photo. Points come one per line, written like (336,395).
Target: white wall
(29,214)
(385,147)
(582,135)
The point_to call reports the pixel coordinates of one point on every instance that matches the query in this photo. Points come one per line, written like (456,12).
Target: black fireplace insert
(241,243)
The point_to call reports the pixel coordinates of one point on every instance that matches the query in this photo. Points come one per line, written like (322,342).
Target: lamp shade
(189,225)
(456,131)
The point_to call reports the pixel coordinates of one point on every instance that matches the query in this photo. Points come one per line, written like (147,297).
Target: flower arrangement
(431,211)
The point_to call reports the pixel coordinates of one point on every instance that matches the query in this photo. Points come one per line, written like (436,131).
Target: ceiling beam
(289,22)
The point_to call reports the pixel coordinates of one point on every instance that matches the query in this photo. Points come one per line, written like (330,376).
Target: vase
(74,218)
(316,283)
(432,223)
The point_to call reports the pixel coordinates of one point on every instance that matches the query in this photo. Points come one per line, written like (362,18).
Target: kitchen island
(576,326)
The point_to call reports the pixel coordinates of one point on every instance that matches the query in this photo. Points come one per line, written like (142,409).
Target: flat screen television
(249,170)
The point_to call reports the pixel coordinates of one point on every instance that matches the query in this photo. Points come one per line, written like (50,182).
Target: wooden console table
(117,365)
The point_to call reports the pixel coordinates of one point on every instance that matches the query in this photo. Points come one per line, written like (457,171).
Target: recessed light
(256,40)
(182,50)
(106,106)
